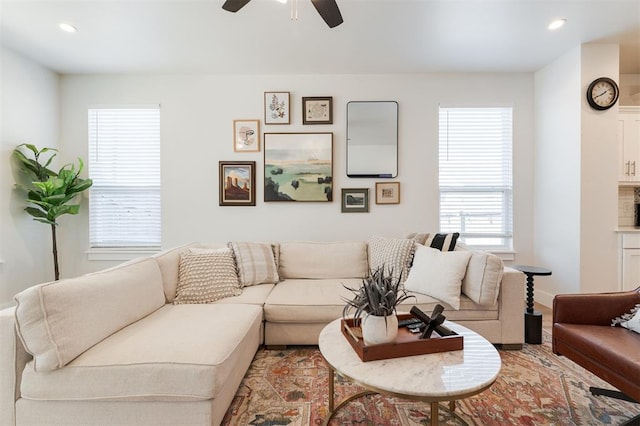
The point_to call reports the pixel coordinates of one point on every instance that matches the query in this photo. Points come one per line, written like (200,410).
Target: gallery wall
(197,112)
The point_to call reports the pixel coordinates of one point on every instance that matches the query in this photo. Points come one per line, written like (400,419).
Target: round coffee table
(432,378)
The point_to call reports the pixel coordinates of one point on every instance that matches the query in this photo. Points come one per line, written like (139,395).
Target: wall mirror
(372,139)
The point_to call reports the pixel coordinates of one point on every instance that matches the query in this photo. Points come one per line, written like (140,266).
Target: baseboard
(543,298)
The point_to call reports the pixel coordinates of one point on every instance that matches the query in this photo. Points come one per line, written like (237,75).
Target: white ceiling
(377,36)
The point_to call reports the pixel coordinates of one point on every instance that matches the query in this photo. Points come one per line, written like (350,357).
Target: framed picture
(387,192)
(246,135)
(276,108)
(298,167)
(318,110)
(237,183)
(355,200)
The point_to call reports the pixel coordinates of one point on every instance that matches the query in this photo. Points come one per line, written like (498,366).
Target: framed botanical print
(355,200)
(237,183)
(298,167)
(317,110)
(387,192)
(276,108)
(246,135)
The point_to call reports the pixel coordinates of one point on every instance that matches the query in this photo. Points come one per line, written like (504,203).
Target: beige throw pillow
(205,277)
(395,254)
(256,263)
(438,274)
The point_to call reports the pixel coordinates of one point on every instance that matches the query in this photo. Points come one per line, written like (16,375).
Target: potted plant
(374,305)
(50,193)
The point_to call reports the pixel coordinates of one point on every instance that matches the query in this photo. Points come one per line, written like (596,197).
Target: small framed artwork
(355,200)
(298,167)
(317,110)
(276,108)
(387,192)
(237,183)
(246,135)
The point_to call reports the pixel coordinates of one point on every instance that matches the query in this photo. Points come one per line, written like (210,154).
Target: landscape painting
(298,166)
(237,183)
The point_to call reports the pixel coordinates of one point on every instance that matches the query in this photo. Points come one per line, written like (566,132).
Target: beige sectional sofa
(112,348)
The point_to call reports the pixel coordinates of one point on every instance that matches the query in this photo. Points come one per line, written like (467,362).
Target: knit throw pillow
(394,254)
(630,320)
(207,276)
(256,263)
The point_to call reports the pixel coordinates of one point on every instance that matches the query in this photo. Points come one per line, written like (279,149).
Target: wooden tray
(406,344)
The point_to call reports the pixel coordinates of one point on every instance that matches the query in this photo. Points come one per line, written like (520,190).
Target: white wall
(599,176)
(557,176)
(196,116)
(575,176)
(30,114)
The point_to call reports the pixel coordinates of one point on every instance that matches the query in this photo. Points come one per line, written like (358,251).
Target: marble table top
(441,376)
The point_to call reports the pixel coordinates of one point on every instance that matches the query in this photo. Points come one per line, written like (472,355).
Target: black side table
(532,319)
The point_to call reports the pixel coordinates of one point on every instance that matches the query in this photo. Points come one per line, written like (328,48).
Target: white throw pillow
(438,274)
(392,254)
(256,263)
(634,323)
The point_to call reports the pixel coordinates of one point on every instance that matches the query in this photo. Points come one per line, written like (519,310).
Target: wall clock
(602,93)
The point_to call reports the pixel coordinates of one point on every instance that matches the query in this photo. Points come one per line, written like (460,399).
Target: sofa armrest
(593,308)
(511,300)
(13,359)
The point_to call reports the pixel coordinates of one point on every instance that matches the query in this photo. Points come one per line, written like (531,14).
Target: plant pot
(377,330)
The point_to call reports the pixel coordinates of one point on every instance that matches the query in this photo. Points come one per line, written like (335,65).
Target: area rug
(535,387)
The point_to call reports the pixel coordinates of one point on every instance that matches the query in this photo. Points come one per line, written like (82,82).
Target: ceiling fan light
(557,23)
(67,27)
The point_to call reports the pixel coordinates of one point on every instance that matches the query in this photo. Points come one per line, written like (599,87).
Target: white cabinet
(629,144)
(630,261)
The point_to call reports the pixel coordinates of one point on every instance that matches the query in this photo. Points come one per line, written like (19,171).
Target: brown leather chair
(582,332)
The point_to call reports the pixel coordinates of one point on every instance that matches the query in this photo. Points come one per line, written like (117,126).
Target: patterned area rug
(535,387)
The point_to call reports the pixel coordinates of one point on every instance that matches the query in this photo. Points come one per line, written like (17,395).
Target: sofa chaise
(125,346)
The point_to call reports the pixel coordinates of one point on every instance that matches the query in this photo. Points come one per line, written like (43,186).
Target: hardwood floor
(547,318)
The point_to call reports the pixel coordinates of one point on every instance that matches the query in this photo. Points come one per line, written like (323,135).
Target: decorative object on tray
(298,166)
(317,110)
(276,108)
(237,183)
(246,135)
(387,192)
(376,300)
(355,200)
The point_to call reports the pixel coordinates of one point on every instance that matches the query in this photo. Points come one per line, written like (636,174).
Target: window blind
(124,163)
(475,175)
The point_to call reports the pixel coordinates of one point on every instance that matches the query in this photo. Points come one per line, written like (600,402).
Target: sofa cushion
(179,352)
(482,281)
(168,260)
(394,254)
(438,274)
(60,320)
(206,276)
(337,259)
(253,295)
(256,263)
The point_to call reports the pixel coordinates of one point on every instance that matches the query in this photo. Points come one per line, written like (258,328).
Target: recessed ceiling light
(64,26)
(554,25)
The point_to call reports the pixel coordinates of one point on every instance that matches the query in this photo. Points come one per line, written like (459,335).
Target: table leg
(434,414)
(331,388)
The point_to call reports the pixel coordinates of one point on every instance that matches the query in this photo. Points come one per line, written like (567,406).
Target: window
(475,176)
(124,163)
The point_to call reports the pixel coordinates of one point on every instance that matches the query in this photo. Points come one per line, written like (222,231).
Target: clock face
(602,93)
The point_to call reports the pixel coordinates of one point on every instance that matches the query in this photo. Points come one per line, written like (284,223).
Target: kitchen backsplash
(628,197)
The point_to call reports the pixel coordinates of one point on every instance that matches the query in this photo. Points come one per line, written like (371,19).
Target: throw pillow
(630,320)
(443,242)
(418,237)
(256,263)
(394,254)
(205,277)
(438,274)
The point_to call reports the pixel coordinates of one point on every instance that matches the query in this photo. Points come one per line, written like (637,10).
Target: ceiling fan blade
(234,5)
(329,11)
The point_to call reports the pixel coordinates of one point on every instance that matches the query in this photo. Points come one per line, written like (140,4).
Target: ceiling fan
(328,10)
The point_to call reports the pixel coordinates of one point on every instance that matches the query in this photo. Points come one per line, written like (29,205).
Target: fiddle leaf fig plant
(49,193)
